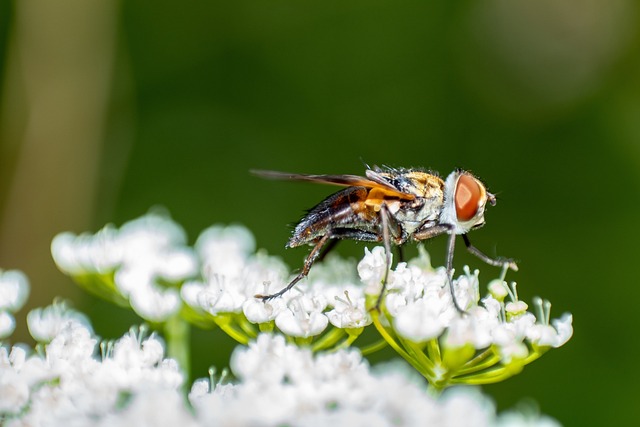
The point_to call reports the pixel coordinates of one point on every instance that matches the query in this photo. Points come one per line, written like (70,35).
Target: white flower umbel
(14,290)
(277,383)
(67,383)
(491,341)
(140,265)
(233,274)
(281,384)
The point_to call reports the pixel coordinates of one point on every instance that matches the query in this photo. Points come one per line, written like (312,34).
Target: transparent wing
(342,180)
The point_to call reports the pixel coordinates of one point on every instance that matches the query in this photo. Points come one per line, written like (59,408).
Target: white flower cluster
(419,309)
(132,383)
(421,306)
(141,264)
(234,274)
(66,384)
(147,265)
(285,385)
(14,290)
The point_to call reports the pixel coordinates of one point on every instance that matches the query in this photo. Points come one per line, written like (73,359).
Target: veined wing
(342,180)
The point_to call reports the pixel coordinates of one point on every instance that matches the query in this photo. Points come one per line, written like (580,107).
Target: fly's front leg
(308,262)
(450,249)
(496,262)
(436,230)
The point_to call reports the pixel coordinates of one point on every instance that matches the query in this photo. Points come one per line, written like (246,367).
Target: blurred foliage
(539,99)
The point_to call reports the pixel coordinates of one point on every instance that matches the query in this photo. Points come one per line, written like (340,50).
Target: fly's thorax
(465,199)
(413,214)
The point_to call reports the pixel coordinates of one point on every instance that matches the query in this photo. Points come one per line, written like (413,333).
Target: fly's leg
(308,262)
(387,222)
(450,249)
(328,248)
(436,230)
(496,262)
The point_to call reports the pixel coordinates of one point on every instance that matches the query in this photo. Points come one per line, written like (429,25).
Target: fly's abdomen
(340,210)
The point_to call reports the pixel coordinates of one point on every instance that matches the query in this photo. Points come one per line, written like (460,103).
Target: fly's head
(465,198)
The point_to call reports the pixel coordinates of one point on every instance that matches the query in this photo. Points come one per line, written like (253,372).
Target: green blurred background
(111,108)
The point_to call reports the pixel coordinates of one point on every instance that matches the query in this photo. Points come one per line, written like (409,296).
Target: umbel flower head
(491,341)
(129,381)
(141,265)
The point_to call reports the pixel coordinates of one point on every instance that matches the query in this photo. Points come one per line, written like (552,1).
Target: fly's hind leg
(328,248)
(308,262)
(328,241)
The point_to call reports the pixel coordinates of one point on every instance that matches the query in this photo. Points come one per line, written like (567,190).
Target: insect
(392,206)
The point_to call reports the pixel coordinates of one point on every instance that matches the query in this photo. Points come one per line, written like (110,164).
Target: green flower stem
(267,326)
(389,339)
(427,364)
(102,286)
(329,339)
(303,341)
(536,353)
(434,352)
(247,326)
(373,347)
(225,322)
(353,334)
(177,333)
(493,376)
(481,362)
(197,318)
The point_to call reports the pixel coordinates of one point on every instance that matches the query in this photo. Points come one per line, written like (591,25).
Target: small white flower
(151,408)
(258,311)
(73,343)
(515,308)
(14,290)
(155,303)
(372,269)
(176,264)
(14,390)
(148,299)
(473,328)
(149,233)
(462,406)
(423,319)
(552,336)
(498,289)
(77,254)
(7,324)
(221,295)
(303,317)
(348,313)
(225,250)
(262,360)
(523,419)
(564,326)
(46,323)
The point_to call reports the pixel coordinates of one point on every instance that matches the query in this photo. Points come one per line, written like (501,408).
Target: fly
(392,206)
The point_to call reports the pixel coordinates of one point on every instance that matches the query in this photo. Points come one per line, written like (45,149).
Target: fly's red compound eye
(467,197)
